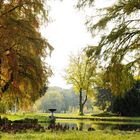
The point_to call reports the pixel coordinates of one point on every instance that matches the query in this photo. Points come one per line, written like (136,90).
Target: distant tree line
(64,100)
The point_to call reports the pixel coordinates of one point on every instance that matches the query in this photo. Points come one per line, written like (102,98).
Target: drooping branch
(14,8)
(11,10)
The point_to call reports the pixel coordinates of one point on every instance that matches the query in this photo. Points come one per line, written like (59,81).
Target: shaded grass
(73,135)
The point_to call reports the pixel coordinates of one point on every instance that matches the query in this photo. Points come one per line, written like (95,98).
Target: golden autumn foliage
(119,79)
(23,72)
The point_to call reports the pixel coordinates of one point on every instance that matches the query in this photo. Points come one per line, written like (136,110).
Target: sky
(68,34)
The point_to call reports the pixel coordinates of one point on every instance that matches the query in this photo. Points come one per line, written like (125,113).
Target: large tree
(81,74)
(118,26)
(23,72)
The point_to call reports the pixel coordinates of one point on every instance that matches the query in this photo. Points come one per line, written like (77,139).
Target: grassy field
(73,135)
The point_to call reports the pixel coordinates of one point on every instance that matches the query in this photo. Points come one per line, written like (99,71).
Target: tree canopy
(23,72)
(118,26)
(81,74)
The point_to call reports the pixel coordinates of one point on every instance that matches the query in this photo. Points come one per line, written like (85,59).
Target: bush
(129,105)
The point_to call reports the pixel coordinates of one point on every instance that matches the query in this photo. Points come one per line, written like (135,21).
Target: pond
(97,125)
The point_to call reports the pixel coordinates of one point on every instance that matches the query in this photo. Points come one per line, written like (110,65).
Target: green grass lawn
(73,135)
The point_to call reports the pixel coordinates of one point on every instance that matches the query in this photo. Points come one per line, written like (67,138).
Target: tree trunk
(80,103)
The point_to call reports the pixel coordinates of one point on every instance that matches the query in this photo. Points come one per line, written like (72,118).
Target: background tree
(118,26)
(23,72)
(129,104)
(52,99)
(70,100)
(104,99)
(81,74)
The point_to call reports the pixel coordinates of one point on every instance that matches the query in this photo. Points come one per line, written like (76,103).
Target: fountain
(52,117)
